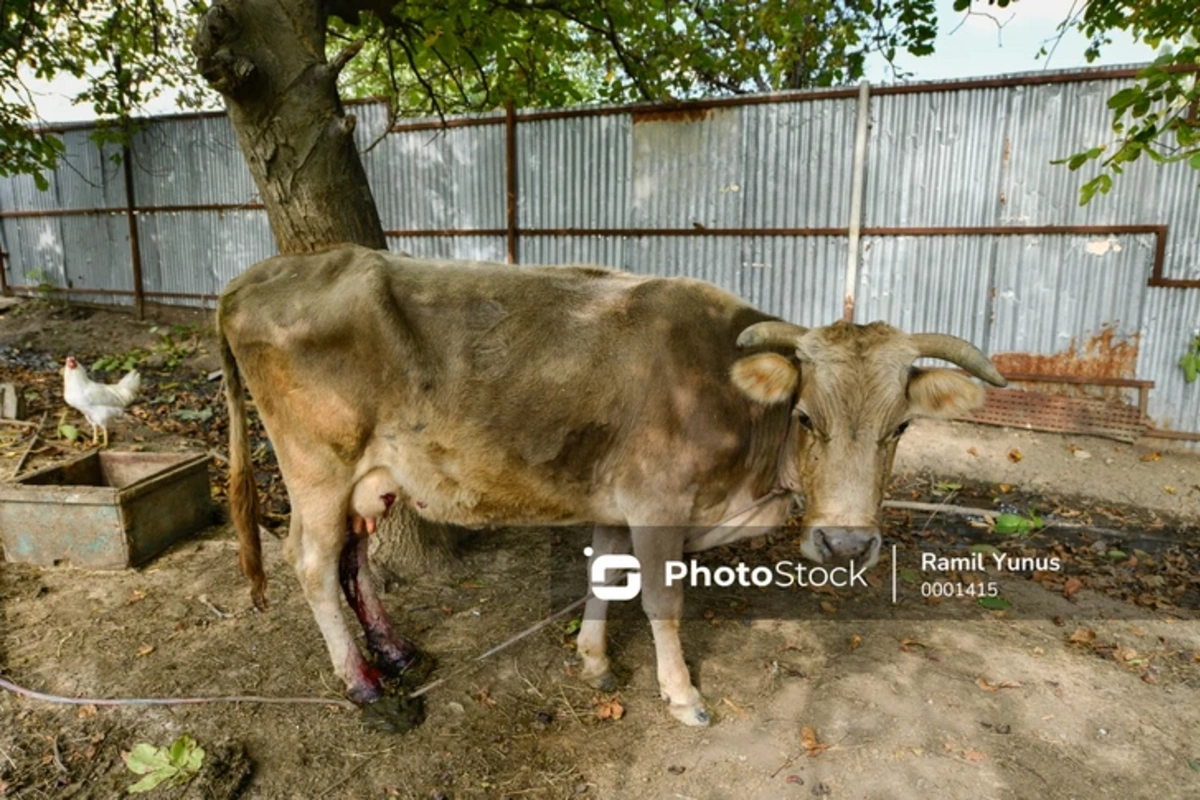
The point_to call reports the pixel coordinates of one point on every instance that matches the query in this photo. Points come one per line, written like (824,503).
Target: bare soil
(1094,695)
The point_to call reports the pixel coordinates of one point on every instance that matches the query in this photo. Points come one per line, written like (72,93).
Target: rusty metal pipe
(510,179)
(1183,436)
(4,290)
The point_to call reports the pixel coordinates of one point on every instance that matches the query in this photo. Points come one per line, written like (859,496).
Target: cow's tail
(243,492)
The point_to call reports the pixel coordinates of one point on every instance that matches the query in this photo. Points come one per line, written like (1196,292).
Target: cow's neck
(765,499)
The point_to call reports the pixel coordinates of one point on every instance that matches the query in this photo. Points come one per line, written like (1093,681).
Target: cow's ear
(766,378)
(942,393)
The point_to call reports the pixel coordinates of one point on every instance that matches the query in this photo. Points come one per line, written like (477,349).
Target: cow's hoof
(365,693)
(412,666)
(605,681)
(394,713)
(696,715)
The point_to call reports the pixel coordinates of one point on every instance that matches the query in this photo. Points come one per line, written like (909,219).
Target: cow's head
(854,389)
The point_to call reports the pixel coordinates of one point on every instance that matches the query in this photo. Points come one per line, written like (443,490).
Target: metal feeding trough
(106,510)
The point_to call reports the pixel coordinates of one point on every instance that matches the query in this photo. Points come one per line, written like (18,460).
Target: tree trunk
(267,59)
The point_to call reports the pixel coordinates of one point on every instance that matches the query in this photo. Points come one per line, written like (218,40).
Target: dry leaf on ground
(808,739)
(610,709)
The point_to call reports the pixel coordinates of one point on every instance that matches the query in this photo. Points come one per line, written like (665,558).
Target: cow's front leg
(316,557)
(591,642)
(395,653)
(664,606)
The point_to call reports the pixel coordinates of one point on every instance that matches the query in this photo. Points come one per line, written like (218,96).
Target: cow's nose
(860,545)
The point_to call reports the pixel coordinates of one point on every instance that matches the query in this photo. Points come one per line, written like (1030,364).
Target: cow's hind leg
(663,604)
(591,642)
(315,546)
(394,653)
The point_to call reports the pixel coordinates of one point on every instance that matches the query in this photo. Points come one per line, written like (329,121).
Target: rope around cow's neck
(463,669)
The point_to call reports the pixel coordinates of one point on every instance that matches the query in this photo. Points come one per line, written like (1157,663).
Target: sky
(998,41)
(992,42)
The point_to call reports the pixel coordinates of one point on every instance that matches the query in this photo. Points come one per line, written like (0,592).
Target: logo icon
(610,563)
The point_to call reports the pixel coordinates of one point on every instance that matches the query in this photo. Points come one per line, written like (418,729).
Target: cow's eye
(900,429)
(804,419)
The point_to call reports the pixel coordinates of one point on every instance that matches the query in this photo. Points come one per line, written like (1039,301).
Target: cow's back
(549,369)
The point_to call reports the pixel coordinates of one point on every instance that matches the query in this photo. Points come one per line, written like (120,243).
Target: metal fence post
(510,175)
(139,298)
(856,198)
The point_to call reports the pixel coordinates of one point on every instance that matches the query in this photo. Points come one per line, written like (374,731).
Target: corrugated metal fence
(965,226)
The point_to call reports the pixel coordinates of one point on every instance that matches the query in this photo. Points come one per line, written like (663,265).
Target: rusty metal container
(106,510)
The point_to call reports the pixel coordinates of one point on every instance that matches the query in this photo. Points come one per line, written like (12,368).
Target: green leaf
(994,603)
(1191,368)
(1124,98)
(146,758)
(572,627)
(71,433)
(1013,524)
(1194,763)
(179,747)
(910,575)
(1194,161)
(1076,161)
(1117,555)
(152,780)
(194,760)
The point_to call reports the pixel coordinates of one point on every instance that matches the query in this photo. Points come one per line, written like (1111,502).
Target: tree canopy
(125,54)
(459,55)
(470,55)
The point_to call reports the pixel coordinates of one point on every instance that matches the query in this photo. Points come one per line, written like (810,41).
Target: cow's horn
(957,351)
(774,333)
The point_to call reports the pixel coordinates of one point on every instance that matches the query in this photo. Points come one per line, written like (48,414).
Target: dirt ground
(1085,691)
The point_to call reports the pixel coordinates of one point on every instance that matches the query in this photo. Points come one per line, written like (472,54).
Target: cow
(486,394)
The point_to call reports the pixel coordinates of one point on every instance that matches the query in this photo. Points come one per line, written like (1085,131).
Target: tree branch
(429,90)
(340,61)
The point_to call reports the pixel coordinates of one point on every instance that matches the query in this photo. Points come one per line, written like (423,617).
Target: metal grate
(1014,408)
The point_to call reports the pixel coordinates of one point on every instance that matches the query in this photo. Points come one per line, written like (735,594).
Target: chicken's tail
(127,388)
(243,493)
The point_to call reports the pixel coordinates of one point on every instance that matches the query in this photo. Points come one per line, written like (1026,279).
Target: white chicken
(97,401)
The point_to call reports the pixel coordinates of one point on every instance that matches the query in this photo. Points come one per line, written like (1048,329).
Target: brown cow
(486,394)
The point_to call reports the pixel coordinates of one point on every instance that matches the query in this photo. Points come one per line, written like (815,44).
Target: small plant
(169,766)
(40,278)
(122,362)
(66,430)
(1190,363)
(175,344)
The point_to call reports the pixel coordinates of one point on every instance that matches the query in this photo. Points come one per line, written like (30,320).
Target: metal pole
(510,174)
(856,198)
(4,290)
(139,297)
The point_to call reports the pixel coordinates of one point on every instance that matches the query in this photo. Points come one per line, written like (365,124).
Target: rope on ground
(168,701)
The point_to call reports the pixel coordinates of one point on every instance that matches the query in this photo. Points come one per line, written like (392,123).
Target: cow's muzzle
(826,544)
